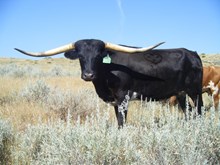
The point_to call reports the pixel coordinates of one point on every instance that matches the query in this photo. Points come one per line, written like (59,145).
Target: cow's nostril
(88,76)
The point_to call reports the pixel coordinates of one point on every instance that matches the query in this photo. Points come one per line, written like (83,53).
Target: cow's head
(90,54)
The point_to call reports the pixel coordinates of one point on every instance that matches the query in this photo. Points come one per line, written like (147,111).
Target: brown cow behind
(210,82)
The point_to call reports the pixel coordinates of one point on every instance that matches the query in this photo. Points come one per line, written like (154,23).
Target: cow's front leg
(121,111)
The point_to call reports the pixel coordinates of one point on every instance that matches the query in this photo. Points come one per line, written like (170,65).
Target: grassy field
(48,115)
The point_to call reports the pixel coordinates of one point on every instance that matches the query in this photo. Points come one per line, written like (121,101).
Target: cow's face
(90,54)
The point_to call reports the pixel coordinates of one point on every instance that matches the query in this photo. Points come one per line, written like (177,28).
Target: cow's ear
(71,55)
(106,52)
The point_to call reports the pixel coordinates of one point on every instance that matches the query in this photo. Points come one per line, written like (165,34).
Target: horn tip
(16,49)
(20,50)
(26,53)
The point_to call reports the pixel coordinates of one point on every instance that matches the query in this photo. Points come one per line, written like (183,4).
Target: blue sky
(39,25)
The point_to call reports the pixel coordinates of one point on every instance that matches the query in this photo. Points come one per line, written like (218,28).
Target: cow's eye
(98,57)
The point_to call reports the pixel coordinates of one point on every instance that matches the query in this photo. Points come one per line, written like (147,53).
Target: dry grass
(9,85)
(21,113)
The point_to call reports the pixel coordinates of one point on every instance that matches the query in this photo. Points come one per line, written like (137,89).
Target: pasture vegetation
(48,115)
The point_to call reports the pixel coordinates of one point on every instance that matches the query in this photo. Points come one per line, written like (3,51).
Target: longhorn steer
(118,72)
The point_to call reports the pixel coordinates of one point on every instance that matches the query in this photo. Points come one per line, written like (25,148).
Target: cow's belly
(154,90)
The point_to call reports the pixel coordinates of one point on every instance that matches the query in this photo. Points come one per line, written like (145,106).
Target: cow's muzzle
(88,76)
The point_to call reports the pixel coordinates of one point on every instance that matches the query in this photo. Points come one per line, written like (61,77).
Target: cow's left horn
(129,49)
(51,52)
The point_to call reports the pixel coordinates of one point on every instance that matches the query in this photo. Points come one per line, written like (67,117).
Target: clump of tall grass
(6,142)
(81,102)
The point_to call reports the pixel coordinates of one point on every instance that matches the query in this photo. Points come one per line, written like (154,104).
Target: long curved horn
(51,52)
(129,49)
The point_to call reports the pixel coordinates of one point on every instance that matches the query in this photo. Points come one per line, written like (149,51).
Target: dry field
(48,115)
(22,74)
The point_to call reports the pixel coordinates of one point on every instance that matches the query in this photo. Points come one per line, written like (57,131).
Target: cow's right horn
(129,49)
(51,52)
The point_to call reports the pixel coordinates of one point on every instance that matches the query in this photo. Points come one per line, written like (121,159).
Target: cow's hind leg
(187,104)
(197,100)
(200,104)
(216,101)
(181,98)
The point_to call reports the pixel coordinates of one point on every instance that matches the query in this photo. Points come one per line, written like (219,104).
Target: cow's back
(211,73)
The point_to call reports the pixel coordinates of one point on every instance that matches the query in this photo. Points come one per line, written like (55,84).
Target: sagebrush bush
(6,142)
(57,71)
(37,91)
(82,102)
